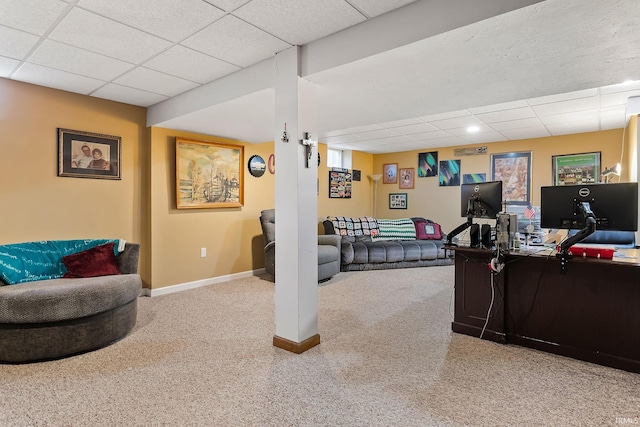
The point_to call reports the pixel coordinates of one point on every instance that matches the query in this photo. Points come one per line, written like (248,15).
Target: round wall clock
(257,166)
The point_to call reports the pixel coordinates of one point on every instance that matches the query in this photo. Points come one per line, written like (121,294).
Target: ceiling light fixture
(473,129)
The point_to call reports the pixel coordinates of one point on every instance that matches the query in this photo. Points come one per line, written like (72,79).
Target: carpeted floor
(204,357)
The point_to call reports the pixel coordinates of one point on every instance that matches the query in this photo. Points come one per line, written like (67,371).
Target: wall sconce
(608,173)
(308,145)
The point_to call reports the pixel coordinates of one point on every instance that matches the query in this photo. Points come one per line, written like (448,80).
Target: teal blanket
(31,261)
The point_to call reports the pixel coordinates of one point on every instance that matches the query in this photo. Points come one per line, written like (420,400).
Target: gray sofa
(328,248)
(359,253)
(49,319)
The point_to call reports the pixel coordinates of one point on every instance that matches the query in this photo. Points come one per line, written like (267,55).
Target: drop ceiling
(390,75)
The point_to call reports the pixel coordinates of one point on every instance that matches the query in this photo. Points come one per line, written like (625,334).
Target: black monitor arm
(590,228)
(459,229)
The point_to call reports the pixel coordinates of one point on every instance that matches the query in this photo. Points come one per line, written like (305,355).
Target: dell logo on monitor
(584,192)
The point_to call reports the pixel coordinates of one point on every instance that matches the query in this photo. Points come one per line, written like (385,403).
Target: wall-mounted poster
(449,174)
(209,175)
(473,178)
(339,184)
(583,168)
(514,170)
(427,164)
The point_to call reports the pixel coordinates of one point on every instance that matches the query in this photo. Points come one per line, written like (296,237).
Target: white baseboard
(199,283)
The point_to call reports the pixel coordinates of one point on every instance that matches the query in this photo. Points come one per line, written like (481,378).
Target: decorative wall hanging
(271,163)
(583,168)
(257,166)
(449,174)
(357,175)
(470,151)
(339,184)
(390,173)
(514,170)
(398,201)
(209,175)
(407,178)
(88,155)
(428,164)
(473,178)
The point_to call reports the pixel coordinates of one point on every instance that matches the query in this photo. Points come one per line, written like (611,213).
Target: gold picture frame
(407,178)
(88,155)
(209,175)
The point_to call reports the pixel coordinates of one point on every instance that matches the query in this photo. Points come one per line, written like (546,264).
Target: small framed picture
(407,176)
(390,173)
(88,155)
(398,201)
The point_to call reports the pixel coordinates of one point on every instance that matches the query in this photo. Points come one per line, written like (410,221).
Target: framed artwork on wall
(340,184)
(390,173)
(88,155)
(449,174)
(398,201)
(582,168)
(514,170)
(427,164)
(209,175)
(474,178)
(407,178)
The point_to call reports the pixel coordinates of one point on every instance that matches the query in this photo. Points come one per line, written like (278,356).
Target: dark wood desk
(591,312)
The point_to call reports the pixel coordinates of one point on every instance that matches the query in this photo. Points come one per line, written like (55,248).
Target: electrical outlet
(203,252)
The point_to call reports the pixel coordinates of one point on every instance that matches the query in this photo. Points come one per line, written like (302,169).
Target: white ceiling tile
(515,124)
(49,77)
(398,123)
(447,142)
(444,116)
(580,104)
(565,128)
(457,122)
(394,140)
(612,117)
(128,95)
(483,137)
(587,93)
(429,135)
(464,132)
(7,65)
(377,134)
(16,44)
(574,116)
(621,87)
(617,98)
(526,132)
(78,61)
(341,139)
(155,82)
(191,65)
(300,21)
(33,16)
(499,107)
(373,8)
(98,34)
(506,115)
(357,129)
(169,19)
(417,128)
(227,5)
(235,41)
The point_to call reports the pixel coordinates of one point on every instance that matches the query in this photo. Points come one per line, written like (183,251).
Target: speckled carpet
(387,357)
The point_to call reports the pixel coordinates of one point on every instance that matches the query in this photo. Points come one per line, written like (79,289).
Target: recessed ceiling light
(472,129)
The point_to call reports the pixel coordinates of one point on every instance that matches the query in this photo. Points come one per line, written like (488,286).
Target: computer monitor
(481,200)
(614,206)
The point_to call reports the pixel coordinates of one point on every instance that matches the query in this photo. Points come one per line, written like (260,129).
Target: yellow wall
(442,204)
(36,204)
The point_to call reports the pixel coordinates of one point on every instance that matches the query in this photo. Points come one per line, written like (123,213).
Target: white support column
(296,206)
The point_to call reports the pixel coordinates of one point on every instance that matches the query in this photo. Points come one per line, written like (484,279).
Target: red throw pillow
(98,261)
(427,230)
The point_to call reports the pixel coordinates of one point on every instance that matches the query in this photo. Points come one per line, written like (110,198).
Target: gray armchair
(328,248)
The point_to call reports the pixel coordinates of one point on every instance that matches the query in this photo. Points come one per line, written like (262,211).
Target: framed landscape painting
(209,175)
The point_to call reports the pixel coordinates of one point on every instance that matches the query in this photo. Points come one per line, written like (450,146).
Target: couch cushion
(98,261)
(395,229)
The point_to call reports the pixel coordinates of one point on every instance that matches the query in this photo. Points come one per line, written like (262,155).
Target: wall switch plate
(203,252)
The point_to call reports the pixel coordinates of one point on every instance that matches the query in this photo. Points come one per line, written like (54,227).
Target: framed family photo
(88,155)
(209,175)
(407,178)
(398,201)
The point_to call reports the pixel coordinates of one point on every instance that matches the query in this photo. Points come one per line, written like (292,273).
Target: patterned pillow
(395,229)
(354,227)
